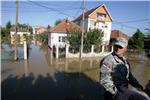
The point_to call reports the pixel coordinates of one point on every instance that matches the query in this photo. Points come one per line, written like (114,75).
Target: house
(58,34)
(99,18)
(39,29)
(117,33)
(20,32)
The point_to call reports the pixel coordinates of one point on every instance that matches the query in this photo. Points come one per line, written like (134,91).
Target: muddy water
(79,77)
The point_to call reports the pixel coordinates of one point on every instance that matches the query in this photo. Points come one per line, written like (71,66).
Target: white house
(99,18)
(58,34)
(20,33)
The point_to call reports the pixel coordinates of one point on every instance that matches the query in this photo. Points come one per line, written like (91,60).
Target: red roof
(118,33)
(65,26)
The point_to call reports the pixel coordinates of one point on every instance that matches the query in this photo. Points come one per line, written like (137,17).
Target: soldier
(115,74)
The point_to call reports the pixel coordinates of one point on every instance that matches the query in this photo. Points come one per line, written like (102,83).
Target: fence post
(25,50)
(67,50)
(103,47)
(112,48)
(92,49)
(57,51)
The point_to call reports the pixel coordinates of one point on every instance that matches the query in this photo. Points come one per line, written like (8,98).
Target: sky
(128,16)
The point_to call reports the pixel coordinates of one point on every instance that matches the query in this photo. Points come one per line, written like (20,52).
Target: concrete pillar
(25,50)
(103,48)
(66,64)
(112,48)
(51,56)
(67,50)
(92,49)
(57,51)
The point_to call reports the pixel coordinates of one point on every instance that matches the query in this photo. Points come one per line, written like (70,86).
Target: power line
(132,21)
(50,8)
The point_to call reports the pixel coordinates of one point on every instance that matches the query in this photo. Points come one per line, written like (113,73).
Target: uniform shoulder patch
(107,65)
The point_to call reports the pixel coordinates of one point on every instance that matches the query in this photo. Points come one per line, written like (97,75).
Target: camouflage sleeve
(106,78)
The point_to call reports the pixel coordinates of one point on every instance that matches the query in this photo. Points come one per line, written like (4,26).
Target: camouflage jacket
(115,72)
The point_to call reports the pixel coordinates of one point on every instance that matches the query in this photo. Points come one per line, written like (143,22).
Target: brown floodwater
(43,76)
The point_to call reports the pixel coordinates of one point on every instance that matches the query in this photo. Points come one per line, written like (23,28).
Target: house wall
(104,26)
(93,15)
(53,39)
(21,36)
(38,30)
(107,33)
(85,24)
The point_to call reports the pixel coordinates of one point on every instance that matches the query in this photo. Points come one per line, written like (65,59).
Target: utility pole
(16,30)
(81,48)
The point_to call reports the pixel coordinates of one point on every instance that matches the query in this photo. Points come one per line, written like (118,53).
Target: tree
(8,25)
(92,37)
(48,28)
(57,21)
(74,38)
(5,32)
(137,40)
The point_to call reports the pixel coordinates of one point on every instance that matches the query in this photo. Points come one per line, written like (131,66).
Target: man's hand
(140,88)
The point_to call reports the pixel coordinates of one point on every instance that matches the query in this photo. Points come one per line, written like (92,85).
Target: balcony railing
(101,19)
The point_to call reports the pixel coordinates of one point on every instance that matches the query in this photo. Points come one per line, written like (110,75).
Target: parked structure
(58,34)
(99,18)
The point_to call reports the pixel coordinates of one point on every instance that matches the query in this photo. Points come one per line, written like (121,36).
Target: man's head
(120,46)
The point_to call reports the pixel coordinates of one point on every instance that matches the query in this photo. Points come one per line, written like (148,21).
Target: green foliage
(92,37)
(57,22)
(8,25)
(28,38)
(74,38)
(137,40)
(43,37)
(25,27)
(5,32)
(17,38)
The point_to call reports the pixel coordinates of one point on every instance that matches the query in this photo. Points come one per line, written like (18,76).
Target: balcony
(101,19)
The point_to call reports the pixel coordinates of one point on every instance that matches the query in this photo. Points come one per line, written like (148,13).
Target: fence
(70,52)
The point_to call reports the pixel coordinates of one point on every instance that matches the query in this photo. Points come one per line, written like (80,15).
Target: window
(101,16)
(59,39)
(62,39)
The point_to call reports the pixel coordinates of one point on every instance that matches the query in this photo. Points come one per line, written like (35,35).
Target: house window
(101,15)
(59,39)
(62,39)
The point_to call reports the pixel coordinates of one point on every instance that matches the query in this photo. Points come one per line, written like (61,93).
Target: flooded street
(47,78)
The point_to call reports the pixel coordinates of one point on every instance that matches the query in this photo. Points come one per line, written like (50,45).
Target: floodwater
(43,77)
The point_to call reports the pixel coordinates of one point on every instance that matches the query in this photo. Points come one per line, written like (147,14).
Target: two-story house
(99,18)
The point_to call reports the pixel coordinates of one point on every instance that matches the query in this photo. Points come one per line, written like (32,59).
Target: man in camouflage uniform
(115,74)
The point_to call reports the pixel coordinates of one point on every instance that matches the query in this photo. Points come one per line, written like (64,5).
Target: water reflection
(50,76)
